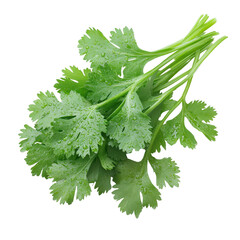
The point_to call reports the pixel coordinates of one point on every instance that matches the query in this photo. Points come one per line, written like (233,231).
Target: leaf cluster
(83,138)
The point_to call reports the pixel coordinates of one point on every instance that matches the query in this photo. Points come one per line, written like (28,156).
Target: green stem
(138,81)
(197,29)
(190,50)
(176,79)
(184,44)
(190,79)
(199,23)
(163,96)
(157,129)
(193,70)
(141,79)
(202,29)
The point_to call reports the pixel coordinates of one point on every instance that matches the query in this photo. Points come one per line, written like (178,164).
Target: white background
(39,39)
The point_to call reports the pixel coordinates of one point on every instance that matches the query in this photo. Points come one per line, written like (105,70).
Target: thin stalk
(182,45)
(191,73)
(197,24)
(163,79)
(190,79)
(202,29)
(141,79)
(174,80)
(198,28)
(193,70)
(190,50)
(178,63)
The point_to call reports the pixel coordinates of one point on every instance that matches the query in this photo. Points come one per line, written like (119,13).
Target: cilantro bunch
(113,108)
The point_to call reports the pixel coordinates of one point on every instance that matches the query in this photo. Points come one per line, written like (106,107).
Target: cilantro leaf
(166,171)
(158,142)
(106,162)
(129,124)
(197,114)
(118,54)
(175,129)
(75,80)
(79,134)
(137,58)
(116,154)
(77,126)
(44,109)
(75,74)
(132,181)
(105,83)
(108,111)
(47,107)
(42,157)
(166,105)
(199,109)
(101,177)
(70,177)
(30,135)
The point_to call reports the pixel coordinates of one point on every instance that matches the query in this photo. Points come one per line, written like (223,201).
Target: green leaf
(136,57)
(75,80)
(105,83)
(197,114)
(175,129)
(116,154)
(70,177)
(42,109)
(47,108)
(155,114)
(118,54)
(29,135)
(166,172)
(132,182)
(199,109)
(146,91)
(106,162)
(75,74)
(80,134)
(159,142)
(129,124)
(166,105)
(101,177)
(74,126)
(42,157)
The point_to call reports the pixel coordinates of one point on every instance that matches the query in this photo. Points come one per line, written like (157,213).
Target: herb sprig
(113,108)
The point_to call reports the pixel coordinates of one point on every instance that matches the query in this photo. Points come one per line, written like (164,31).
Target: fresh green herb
(113,108)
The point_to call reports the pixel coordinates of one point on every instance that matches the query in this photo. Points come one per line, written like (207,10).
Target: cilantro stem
(180,65)
(199,27)
(201,20)
(184,44)
(193,70)
(141,79)
(190,79)
(177,78)
(174,80)
(163,79)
